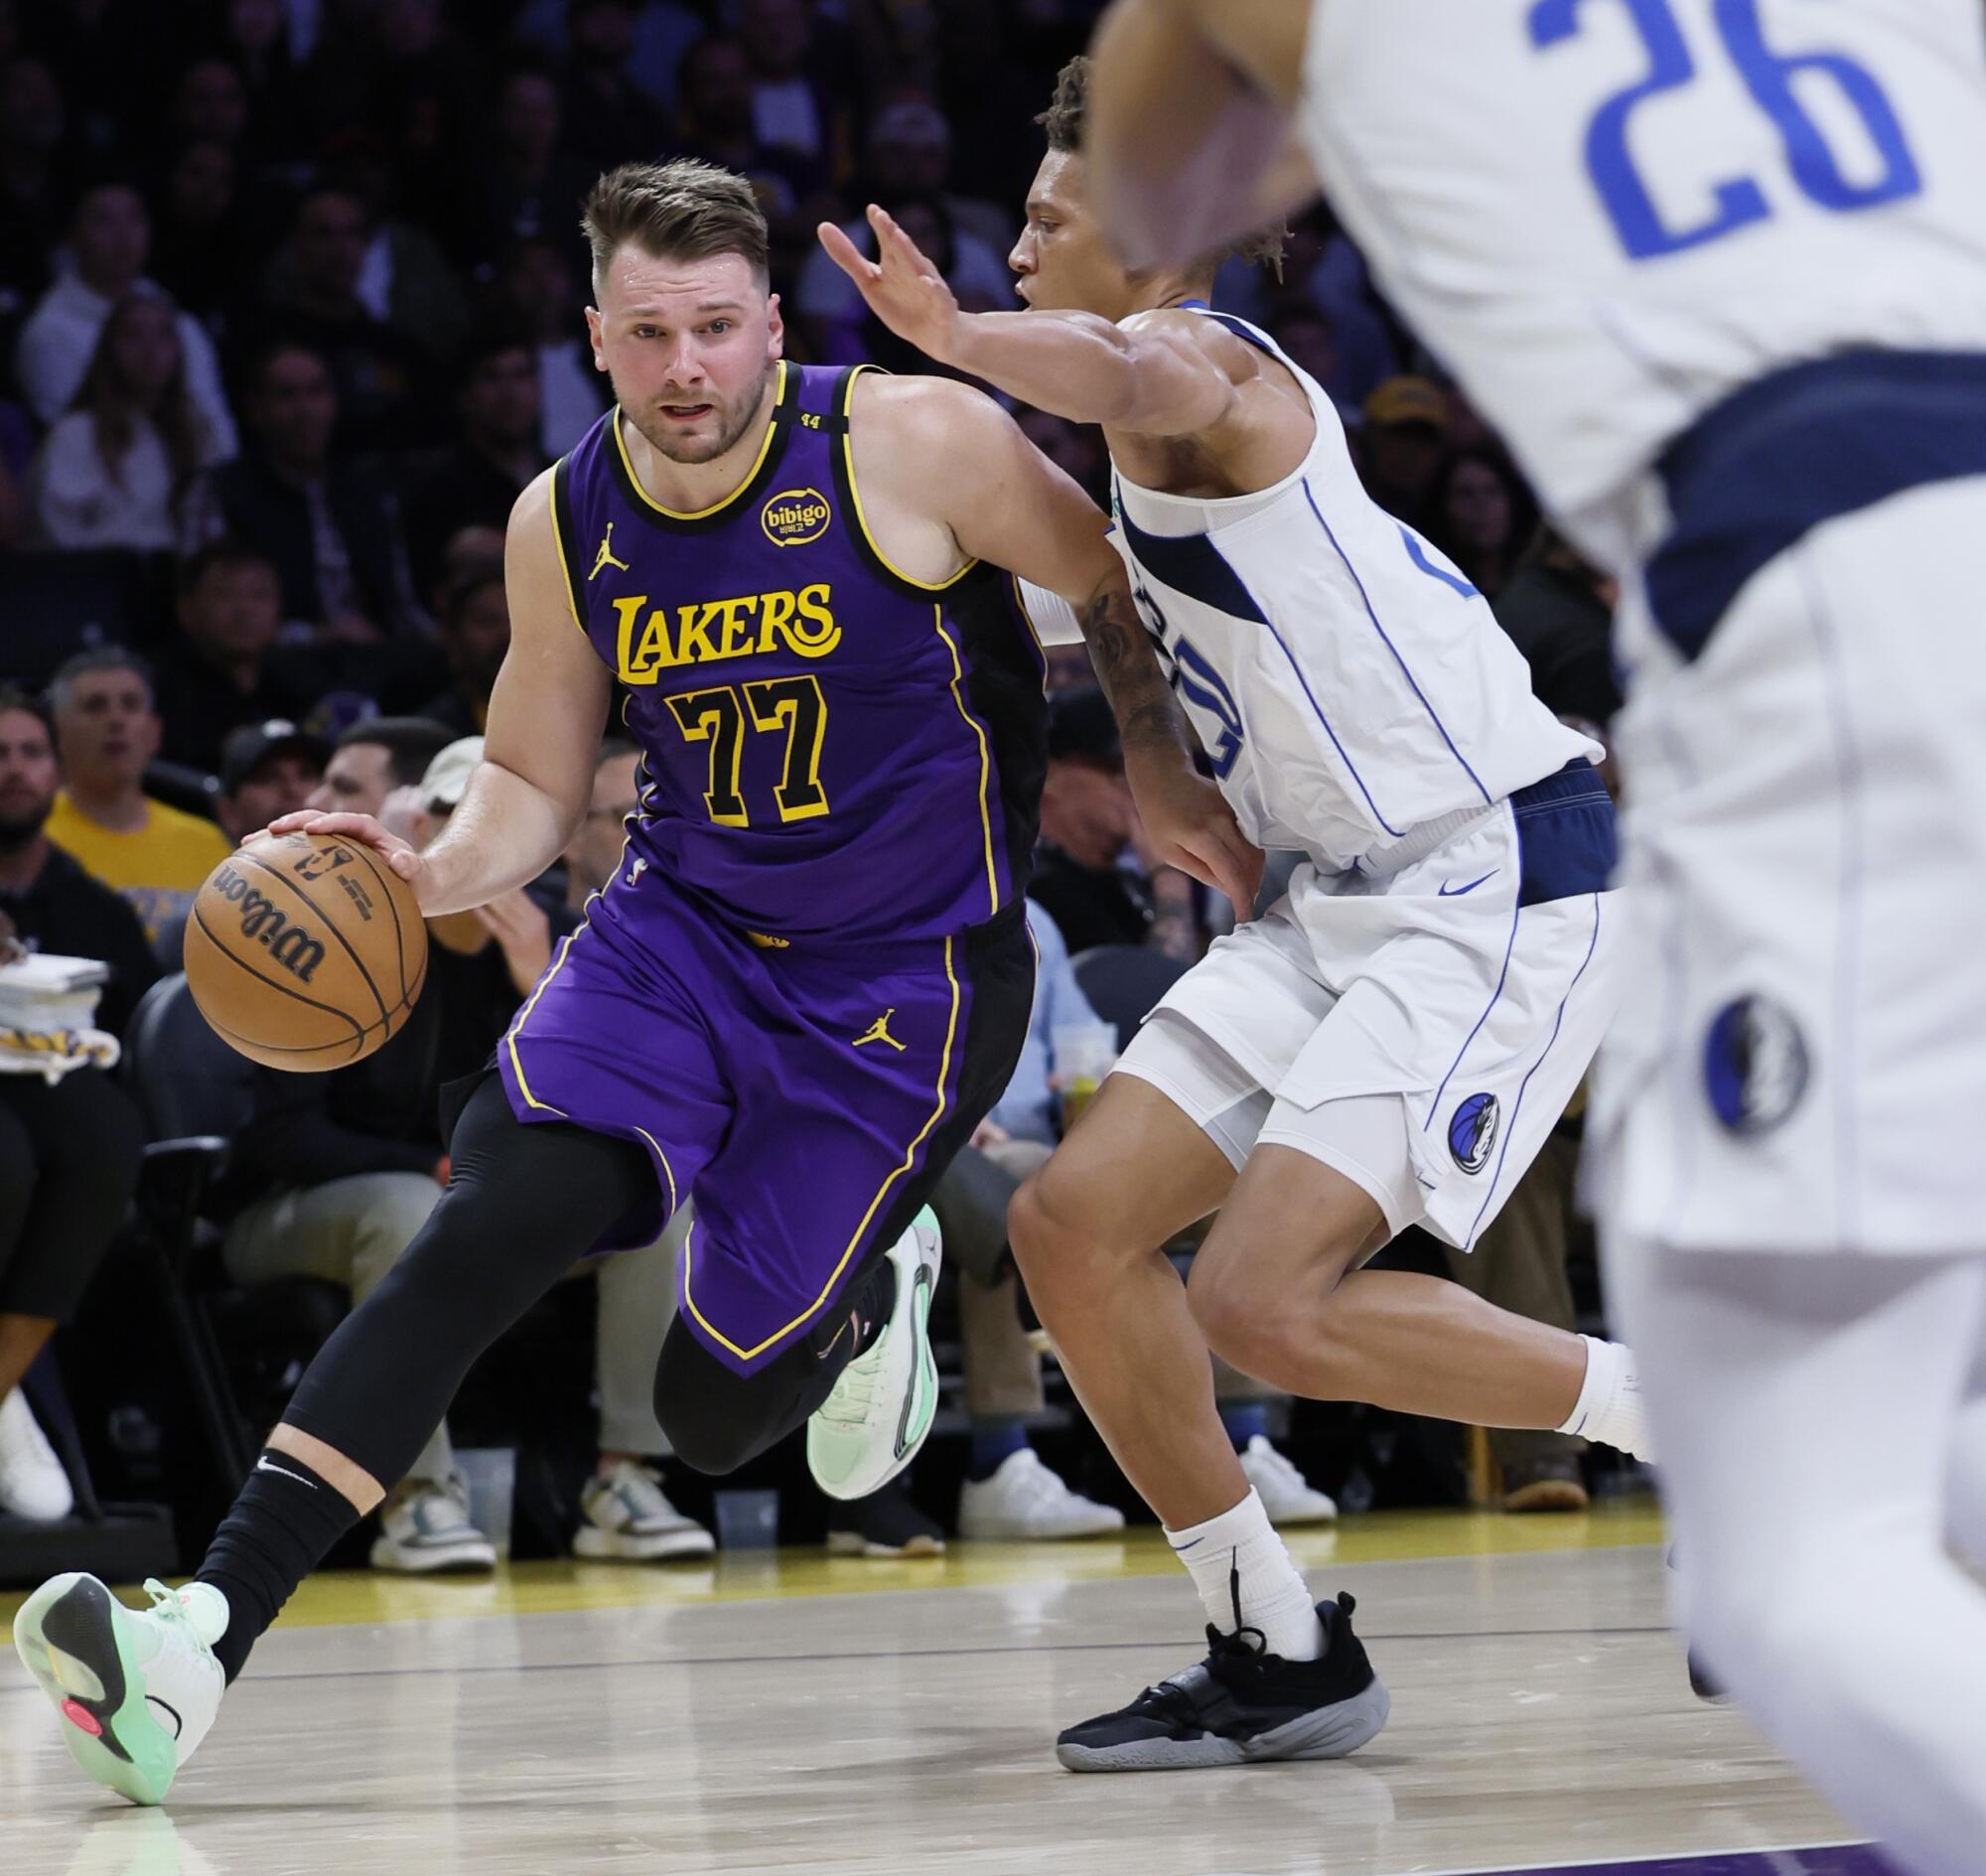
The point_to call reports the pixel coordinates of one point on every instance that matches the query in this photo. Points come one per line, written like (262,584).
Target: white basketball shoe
(136,1688)
(871,1426)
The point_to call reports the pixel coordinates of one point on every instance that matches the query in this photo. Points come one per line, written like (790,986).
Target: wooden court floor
(791,1712)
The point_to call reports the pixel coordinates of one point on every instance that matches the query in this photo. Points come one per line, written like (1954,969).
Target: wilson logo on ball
(289,944)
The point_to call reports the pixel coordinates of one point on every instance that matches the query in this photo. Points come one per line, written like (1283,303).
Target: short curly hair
(1064,122)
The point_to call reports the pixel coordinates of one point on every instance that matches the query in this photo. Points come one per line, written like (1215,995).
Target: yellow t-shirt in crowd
(158,869)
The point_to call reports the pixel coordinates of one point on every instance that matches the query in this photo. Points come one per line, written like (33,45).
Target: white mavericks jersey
(1608,215)
(1349,685)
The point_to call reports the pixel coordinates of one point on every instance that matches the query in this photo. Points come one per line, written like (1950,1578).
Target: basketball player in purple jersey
(809,977)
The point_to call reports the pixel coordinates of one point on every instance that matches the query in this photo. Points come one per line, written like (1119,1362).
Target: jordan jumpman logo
(607,557)
(879,1031)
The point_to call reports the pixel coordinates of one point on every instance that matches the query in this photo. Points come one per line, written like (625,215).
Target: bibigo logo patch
(795,517)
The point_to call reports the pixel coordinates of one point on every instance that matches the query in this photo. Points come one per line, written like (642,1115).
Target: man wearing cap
(267,769)
(1094,874)
(1401,446)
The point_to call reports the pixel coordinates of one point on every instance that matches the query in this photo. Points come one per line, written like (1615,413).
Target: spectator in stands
(225,667)
(1400,448)
(475,636)
(1559,612)
(267,770)
(33,126)
(527,186)
(541,293)
(116,470)
(326,525)
(208,99)
(257,37)
(478,479)
(107,730)
(373,757)
(1480,514)
(908,153)
(625,1507)
(1089,876)
(795,101)
(202,248)
(1076,449)
(110,238)
(406,279)
(382,376)
(69,1149)
(1304,332)
(609,117)
(1009,1494)
(339,1171)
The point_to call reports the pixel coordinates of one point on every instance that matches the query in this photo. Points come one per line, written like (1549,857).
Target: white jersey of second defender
(1606,215)
(1349,685)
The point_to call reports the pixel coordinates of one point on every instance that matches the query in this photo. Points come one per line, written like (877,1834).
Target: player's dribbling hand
(903,286)
(1189,825)
(399,854)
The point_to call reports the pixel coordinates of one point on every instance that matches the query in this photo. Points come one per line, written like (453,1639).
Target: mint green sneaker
(136,1688)
(870,1428)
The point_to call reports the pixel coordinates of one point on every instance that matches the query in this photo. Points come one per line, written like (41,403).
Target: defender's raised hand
(903,286)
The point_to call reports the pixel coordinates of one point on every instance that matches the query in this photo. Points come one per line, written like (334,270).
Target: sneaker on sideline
(883,1525)
(1287,1496)
(627,1517)
(1024,1500)
(32,1484)
(424,1531)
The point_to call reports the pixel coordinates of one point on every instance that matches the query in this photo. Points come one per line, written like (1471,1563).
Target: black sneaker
(1242,1705)
(883,1525)
(1703,1683)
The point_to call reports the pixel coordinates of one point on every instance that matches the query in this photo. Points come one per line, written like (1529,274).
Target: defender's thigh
(1796,1065)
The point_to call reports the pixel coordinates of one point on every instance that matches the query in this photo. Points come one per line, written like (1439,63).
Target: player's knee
(703,1439)
(1047,1232)
(1257,1322)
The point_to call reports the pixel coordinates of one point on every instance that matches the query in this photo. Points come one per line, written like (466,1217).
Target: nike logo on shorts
(1454,892)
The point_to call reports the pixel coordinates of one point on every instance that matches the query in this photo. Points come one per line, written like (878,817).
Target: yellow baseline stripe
(366,1597)
(910,1159)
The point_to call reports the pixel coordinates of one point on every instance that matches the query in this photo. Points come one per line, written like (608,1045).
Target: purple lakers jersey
(831,748)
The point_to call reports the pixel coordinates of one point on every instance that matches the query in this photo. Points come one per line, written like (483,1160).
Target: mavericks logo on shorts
(1755,1065)
(1472,1132)
(795,517)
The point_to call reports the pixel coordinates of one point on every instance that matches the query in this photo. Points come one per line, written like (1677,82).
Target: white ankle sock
(1273,1596)
(1608,1409)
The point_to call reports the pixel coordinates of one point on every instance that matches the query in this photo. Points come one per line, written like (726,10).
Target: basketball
(305,951)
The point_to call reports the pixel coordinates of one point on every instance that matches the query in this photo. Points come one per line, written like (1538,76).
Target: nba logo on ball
(1755,1065)
(1472,1132)
(795,517)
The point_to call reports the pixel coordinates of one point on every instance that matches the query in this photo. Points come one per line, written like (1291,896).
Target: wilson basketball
(305,951)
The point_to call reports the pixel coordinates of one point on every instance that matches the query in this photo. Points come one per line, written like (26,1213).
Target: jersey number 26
(1770,78)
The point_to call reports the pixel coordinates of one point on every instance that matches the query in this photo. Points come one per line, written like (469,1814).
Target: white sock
(1608,1409)
(1273,1596)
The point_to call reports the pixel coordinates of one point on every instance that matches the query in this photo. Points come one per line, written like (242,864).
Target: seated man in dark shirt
(69,1148)
(341,1170)
(1090,874)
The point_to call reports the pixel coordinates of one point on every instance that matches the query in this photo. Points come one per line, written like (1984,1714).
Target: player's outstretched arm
(1006,502)
(1155,378)
(1185,141)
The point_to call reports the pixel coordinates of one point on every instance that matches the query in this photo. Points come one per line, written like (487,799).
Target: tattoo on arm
(1148,714)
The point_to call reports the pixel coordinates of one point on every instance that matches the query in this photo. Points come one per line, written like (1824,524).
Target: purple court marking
(1842,1860)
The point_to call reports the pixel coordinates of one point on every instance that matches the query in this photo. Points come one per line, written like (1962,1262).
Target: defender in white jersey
(1717,269)
(1389,1044)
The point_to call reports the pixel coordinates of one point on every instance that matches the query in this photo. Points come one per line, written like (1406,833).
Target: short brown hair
(1064,122)
(683,210)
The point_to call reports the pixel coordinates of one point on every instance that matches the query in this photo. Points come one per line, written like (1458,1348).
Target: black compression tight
(524,1202)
